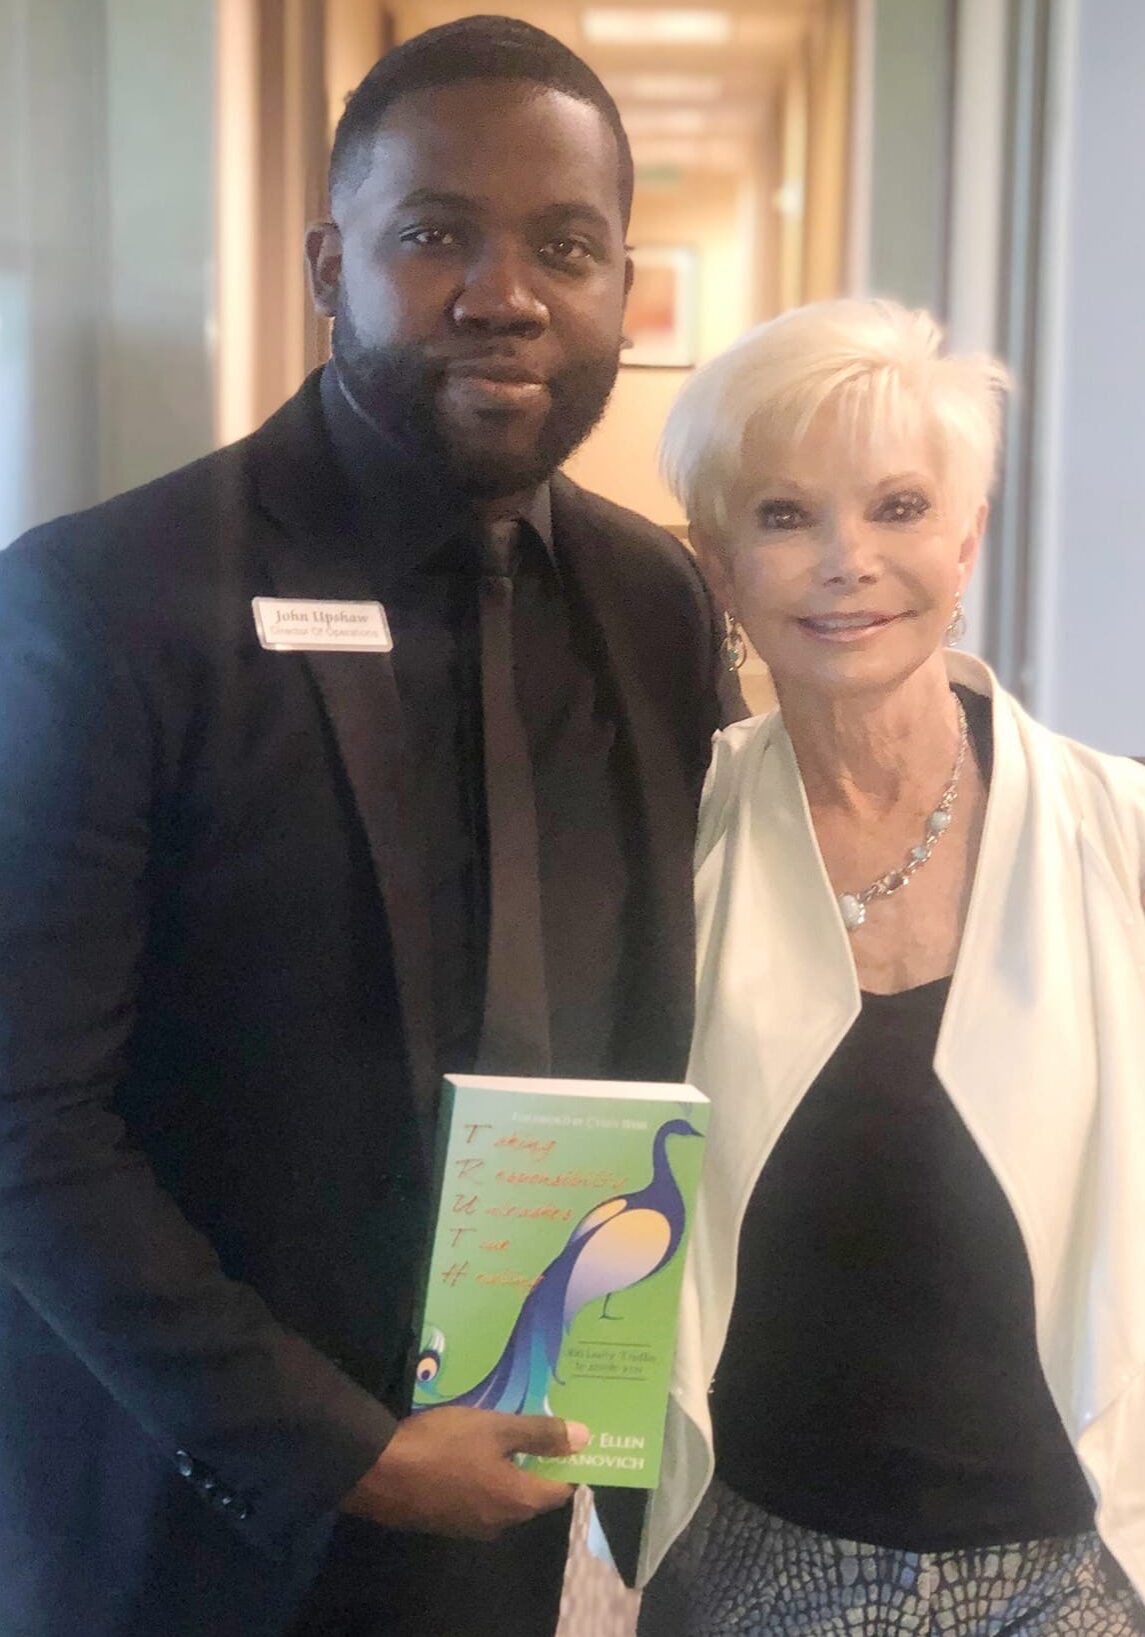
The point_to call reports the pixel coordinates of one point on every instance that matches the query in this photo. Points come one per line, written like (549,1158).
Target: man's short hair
(472,48)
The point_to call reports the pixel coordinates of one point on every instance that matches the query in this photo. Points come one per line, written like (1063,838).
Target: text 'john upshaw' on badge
(285,624)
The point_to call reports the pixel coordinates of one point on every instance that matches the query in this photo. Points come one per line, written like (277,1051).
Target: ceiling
(693,80)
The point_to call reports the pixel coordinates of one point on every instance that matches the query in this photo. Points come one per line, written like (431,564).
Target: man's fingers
(543,1435)
(542,1494)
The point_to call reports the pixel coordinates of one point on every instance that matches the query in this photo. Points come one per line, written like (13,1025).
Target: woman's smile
(847,628)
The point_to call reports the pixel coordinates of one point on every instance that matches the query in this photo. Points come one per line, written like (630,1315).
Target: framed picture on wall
(661,319)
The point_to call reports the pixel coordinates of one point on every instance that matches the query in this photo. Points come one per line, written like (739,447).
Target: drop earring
(734,646)
(956,629)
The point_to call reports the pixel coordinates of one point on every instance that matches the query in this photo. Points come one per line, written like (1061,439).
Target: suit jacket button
(184,1463)
(242,1511)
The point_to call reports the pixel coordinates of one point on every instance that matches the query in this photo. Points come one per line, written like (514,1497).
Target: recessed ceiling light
(665,121)
(690,153)
(673,87)
(640,26)
(788,199)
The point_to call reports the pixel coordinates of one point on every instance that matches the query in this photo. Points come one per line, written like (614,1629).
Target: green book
(554,1278)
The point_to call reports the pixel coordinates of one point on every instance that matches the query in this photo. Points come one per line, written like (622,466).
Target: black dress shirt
(426,568)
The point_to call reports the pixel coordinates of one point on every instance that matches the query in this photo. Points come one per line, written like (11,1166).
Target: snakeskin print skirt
(739,1572)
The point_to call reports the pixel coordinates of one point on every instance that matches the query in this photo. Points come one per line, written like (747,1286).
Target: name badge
(286,625)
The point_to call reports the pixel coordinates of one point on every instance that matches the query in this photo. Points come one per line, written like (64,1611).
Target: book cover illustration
(557,1259)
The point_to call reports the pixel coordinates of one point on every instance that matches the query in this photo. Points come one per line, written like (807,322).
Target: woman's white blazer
(1041,1050)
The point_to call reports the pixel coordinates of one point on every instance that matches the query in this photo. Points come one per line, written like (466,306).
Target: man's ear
(324,266)
(713,561)
(629,274)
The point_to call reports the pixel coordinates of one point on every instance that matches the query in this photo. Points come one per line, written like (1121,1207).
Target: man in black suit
(264,877)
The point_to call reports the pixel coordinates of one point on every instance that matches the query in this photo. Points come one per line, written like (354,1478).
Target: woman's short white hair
(876,364)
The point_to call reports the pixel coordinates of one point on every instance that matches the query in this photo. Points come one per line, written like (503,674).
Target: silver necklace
(853,905)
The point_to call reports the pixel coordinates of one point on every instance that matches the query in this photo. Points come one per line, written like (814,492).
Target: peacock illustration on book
(540,1303)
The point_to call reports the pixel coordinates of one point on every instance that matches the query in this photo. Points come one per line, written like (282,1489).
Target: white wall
(106,246)
(1089,678)
(909,61)
(158,390)
(51,257)
(976,235)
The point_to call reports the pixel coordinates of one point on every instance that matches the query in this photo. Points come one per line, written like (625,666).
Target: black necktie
(515,1026)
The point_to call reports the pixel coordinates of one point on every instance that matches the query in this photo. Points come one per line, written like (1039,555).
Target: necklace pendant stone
(853,910)
(853,905)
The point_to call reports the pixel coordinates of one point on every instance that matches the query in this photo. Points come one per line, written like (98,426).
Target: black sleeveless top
(880,1380)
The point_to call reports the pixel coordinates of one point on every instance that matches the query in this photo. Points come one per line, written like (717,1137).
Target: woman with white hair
(910,1385)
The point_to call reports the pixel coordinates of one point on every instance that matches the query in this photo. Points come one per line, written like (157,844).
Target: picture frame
(661,318)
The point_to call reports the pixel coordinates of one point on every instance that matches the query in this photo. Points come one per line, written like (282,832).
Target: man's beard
(396,389)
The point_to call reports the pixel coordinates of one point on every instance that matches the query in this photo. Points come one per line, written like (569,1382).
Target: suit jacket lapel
(314,554)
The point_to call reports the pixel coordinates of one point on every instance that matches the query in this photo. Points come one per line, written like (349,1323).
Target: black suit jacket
(215,1065)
